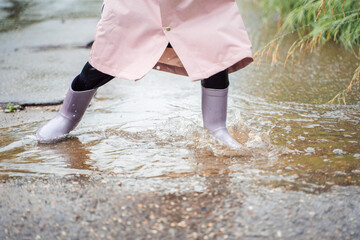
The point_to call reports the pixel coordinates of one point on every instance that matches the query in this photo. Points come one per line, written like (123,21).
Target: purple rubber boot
(214,109)
(68,117)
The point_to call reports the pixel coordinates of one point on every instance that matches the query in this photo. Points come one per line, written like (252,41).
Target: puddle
(151,129)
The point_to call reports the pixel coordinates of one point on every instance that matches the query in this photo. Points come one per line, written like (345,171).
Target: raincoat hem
(234,64)
(112,72)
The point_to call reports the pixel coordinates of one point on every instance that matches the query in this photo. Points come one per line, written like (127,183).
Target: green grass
(316,22)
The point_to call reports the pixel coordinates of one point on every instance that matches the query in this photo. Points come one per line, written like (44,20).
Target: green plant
(316,22)
(12,108)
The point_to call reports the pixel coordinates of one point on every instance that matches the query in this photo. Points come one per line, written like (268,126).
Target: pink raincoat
(207,37)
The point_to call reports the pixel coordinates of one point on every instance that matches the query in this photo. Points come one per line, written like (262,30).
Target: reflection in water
(26,157)
(74,153)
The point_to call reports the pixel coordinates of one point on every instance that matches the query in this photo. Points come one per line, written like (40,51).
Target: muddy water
(152,128)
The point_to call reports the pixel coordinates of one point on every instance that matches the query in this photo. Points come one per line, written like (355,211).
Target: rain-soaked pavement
(141,166)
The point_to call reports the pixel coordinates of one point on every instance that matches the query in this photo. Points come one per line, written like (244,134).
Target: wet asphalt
(115,208)
(39,62)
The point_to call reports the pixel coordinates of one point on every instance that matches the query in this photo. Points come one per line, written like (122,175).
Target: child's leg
(217,81)
(214,107)
(80,93)
(91,78)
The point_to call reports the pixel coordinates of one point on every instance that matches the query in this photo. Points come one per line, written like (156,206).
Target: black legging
(91,78)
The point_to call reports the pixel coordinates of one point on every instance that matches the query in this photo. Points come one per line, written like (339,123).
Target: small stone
(338,151)
(182,224)
(301,138)
(310,150)
(312,213)
(339,173)
(278,234)
(41,226)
